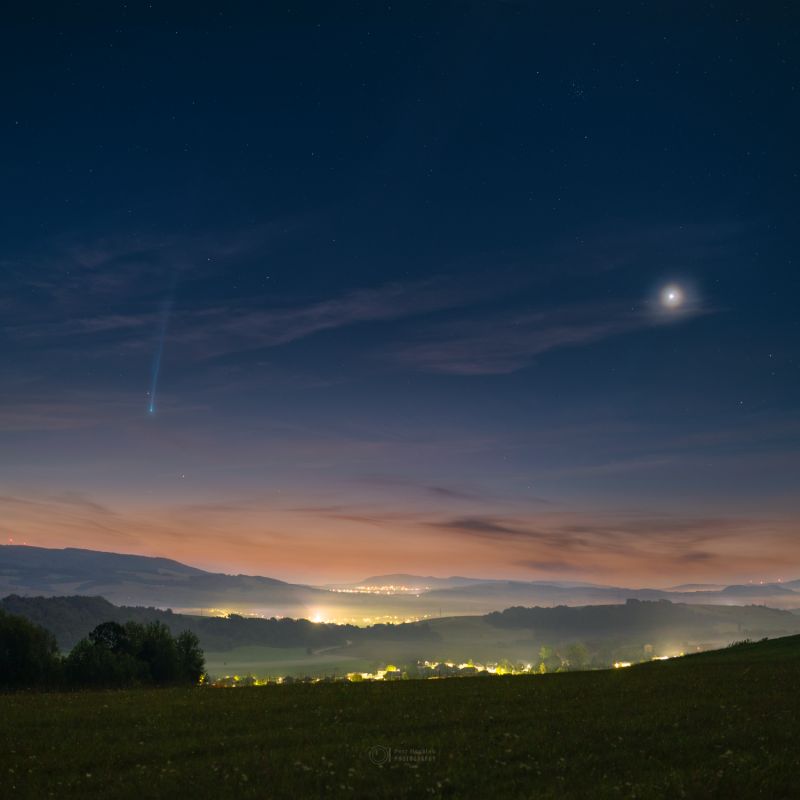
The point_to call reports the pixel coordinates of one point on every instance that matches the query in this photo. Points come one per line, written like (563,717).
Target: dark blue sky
(411,260)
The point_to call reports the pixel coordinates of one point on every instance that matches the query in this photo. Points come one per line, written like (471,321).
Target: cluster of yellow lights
(394,619)
(224,612)
(391,672)
(623,664)
(388,589)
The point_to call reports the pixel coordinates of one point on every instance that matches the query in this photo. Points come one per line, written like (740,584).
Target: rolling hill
(143,580)
(135,580)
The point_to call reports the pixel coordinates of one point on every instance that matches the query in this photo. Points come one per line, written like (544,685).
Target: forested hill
(649,619)
(71,618)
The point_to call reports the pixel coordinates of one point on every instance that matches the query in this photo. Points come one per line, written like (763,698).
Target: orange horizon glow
(329,545)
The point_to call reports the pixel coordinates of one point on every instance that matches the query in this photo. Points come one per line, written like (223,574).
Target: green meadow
(716,725)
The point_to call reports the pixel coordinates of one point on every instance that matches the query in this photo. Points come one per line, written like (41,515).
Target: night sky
(326,290)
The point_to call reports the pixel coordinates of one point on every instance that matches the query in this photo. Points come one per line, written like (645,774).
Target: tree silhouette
(28,653)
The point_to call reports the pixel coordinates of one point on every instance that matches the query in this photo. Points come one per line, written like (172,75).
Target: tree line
(113,655)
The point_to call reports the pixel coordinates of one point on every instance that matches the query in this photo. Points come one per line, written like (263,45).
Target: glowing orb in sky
(672,297)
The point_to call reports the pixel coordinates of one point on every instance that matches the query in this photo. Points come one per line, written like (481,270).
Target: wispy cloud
(506,343)
(485,527)
(219,330)
(444,492)
(73,412)
(204,332)
(557,567)
(607,542)
(363,514)
(103,296)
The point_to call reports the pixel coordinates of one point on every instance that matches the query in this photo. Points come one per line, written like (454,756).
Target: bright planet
(672,297)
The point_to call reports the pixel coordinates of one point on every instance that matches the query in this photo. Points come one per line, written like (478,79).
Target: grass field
(716,725)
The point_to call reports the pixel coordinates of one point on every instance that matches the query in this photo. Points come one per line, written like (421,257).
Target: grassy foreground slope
(722,724)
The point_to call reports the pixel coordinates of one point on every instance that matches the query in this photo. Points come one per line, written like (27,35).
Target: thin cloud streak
(502,345)
(206,333)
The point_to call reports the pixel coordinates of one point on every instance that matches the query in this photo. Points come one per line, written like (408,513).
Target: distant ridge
(127,579)
(696,587)
(404,579)
(142,580)
(433,582)
(80,559)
